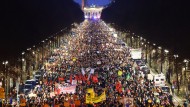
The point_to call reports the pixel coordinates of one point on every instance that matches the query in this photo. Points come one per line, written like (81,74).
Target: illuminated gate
(92,12)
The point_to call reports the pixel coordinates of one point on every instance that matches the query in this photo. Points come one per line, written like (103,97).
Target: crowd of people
(94,58)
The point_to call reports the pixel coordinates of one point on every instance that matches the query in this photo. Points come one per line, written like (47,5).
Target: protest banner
(90,99)
(67,89)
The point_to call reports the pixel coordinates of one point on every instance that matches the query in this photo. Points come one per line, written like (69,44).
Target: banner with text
(97,99)
(67,89)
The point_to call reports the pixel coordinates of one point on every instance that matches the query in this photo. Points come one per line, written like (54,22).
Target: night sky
(95,2)
(163,22)
(24,23)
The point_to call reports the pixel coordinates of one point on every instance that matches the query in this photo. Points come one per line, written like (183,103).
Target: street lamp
(175,60)
(161,56)
(146,53)
(6,82)
(43,52)
(176,56)
(159,47)
(167,65)
(186,61)
(29,49)
(166,51)
(22,60)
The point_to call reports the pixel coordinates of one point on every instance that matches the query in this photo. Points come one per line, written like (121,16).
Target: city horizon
(95,2)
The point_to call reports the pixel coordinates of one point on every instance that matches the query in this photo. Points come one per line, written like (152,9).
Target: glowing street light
(23,53)
(28,49)
(176,56)
(6,84)
(5,63)
(166,51)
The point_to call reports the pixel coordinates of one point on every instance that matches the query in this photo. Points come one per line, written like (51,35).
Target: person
(179,105)
(11,100)
(185,104)
(1,102)
(172,87)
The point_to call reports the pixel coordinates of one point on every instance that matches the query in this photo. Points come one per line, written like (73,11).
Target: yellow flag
(92,99)
(120,73)
(91,92)
(74,59)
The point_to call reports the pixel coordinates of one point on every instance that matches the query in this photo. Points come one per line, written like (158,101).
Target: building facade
(92,12)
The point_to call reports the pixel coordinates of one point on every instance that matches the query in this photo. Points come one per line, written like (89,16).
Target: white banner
(89,76)
(74,82)
(68,89)
(82,70)
(136,53)
(92,71)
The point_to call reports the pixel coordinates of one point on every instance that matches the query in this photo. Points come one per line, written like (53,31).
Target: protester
(93,58)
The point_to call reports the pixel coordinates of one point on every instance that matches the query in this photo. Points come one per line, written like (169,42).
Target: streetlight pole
(185,73)
(166,64)
(150,54)
(175,59)
(146,53)
(131,41)
(43,52)
(161,59)
(186,65)
(22,60)
(6,82)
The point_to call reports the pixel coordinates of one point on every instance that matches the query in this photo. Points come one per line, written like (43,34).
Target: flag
(92,71)
(82,70)
(128,76)
(120,73)
(80,77)
(76,77)
(84,78)
(95,79)
(61,79)
(118,86)
(91,92)
(89,75)
(57,91)
(71,78)
(88,82)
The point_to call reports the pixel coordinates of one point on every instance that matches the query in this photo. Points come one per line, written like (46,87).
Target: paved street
(93,66)
(176,99)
